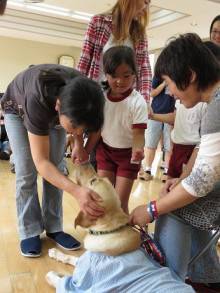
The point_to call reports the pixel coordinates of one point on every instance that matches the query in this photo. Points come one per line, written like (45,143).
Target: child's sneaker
(164,177)
(163,165)
(145,175)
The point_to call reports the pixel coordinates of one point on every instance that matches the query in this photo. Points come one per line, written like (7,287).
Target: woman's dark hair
(115,56)
(3,4)
(82,101)
(217,18)
(185,55)
(215,49)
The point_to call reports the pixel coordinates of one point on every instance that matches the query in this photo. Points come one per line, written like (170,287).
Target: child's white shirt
(121,117)
(187,124)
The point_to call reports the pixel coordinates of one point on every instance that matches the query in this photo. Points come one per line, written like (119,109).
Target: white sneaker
(145,175)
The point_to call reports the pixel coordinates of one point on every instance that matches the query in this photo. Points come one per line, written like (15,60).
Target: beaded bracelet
(152,210)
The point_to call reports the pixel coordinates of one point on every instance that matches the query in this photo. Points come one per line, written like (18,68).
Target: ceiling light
(33,1)
(82,13)
(47,10)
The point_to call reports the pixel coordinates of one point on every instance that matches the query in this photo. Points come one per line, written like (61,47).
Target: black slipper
(64,240)
(31,247)
(4,156)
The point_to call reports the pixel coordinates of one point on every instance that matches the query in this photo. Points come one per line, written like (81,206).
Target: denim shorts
(153,133)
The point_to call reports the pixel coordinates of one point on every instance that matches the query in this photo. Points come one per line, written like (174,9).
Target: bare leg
(167,159)
(123,187)
(110,175)
(62,257)
(53,278)
(149,156)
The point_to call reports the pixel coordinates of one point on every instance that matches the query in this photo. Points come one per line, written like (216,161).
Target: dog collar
(97,233)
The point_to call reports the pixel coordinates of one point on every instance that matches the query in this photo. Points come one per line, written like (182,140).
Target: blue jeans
(180,242)
(153,133)
(32,219)
(5,146)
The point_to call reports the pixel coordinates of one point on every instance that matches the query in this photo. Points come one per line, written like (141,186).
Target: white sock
(147,169)
(53,278)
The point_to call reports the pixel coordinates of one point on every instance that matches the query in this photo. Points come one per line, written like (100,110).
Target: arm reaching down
(88,200)
(138,145)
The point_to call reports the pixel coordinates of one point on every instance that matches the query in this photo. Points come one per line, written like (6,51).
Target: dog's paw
(52,278)
(58,255)
(53,252)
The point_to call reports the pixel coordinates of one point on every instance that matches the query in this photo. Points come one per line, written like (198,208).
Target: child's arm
(92,141)
(138,145)
(166,118)
(155,92)
(171,183)
(189,166)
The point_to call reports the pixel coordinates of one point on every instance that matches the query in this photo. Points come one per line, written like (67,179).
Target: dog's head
(126,239)
(110,201)
(83,173)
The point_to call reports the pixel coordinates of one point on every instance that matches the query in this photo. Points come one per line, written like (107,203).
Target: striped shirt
(126,273)
(97,35)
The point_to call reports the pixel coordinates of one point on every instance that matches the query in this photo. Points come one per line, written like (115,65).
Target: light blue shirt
(132,272)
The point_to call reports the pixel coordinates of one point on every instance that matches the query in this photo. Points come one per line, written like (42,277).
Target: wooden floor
(26,275)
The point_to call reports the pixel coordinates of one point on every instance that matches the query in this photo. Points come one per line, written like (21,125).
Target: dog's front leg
(53,278)
(62,257)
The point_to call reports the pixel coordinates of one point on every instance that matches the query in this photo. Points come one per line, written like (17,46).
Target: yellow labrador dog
(113,261)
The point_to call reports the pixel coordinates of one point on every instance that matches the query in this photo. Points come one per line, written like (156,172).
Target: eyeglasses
(215,32)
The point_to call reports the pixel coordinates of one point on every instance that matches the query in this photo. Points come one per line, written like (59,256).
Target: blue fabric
(31,246)
(5,147)
(180,241)
(162,103)
(153,133)
(65,240)
(128,273)
(32,218)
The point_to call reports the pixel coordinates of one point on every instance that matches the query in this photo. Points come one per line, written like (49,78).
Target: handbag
(151,247)
(203,213)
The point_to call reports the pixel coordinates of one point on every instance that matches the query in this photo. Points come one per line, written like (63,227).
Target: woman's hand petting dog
(139,216)
(89,202)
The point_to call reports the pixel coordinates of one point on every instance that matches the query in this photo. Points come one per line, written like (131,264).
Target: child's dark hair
(185,55)
(3,4)
(82,101)
(215,49)
(115,56)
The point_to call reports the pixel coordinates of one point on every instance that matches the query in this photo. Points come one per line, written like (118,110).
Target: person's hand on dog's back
(89,202)
(139,216)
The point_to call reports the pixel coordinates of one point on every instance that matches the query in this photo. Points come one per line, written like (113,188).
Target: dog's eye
(92,180)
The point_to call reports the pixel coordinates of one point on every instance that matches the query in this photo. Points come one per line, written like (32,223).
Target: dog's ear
(83,221)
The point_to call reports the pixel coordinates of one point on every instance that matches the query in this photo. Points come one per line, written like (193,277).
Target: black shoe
(214,286)
(31,247)
(204,288)
(4,156)
(64,240)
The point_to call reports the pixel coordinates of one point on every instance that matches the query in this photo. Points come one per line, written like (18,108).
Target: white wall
(17,54)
